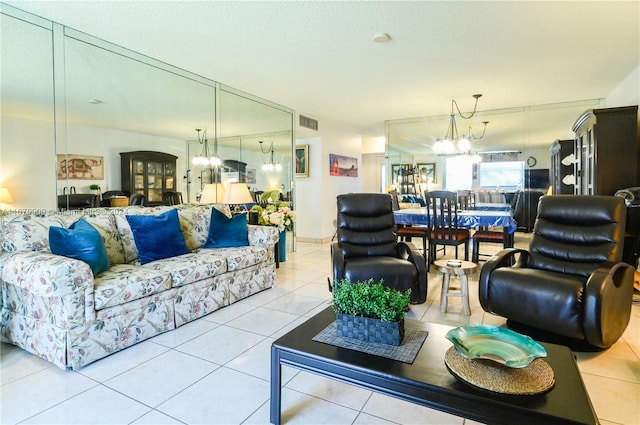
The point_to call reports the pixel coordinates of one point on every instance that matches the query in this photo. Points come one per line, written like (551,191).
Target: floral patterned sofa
(54,307)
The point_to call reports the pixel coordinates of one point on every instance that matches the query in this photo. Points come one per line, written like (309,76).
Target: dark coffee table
(427,381)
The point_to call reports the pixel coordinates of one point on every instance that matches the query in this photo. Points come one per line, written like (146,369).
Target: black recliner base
(544,336)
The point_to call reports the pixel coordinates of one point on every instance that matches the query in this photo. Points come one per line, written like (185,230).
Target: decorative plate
(501,345)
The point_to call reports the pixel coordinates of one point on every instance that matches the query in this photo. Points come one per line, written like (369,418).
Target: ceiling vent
(308,122)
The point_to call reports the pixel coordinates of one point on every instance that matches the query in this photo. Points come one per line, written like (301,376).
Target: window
(502,175)
(458,172)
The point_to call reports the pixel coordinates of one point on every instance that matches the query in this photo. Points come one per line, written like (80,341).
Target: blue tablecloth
(467,218)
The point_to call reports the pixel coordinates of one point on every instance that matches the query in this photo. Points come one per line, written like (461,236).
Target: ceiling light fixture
(271,165)
(381,37)
(204,160)
(452,138)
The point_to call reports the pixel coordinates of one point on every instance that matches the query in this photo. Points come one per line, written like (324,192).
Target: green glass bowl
(501,345)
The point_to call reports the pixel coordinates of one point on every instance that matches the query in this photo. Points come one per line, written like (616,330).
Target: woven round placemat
(536,378)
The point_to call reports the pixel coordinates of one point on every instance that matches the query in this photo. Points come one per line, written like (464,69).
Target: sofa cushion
(194,223)
(82,242)
(30,232)
(123,283)
(124,230)
(227,232)
(240,257)
(190,268)
(104,222)
(158,236)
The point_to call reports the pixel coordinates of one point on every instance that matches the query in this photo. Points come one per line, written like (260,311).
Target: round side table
(463,271)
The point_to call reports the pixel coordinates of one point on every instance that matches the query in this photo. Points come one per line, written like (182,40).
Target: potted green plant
(370,311)
(95,187)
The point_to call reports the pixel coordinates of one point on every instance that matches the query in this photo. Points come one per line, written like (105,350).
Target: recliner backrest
(574,234)
(365,225)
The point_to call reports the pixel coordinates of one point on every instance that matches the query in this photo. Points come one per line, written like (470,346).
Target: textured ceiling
(320,58)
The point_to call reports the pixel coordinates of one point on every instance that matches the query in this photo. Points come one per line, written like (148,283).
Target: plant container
(370,330)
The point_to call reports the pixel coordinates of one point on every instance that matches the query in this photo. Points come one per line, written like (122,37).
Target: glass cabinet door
(169,173)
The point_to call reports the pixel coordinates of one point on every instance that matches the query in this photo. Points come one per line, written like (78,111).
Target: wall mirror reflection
(87,102)
(513,134)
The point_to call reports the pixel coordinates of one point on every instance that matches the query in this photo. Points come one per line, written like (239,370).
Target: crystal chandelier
(204,159)
(452,139)
(271,165)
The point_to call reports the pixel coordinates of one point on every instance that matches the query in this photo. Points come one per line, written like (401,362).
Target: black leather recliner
(570,282)
(368,248)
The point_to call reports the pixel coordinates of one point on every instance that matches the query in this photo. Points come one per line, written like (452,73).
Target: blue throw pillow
(157,236)
(227,232)
(82,242)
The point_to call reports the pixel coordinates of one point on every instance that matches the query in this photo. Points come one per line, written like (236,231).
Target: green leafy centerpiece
(370,311)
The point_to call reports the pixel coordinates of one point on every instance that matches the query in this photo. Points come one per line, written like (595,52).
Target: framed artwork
(395,172)
(427,172)
(302,161)
(343,166)
(80,167)
(251,176)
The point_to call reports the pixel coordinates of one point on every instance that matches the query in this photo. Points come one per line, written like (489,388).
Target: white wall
(316,196)
(627,93)
(27,162)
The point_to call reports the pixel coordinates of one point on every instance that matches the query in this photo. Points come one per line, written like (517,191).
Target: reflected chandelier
(204,160)
(451,138)
(271,165)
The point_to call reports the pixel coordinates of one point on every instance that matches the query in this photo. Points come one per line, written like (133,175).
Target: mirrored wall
(71,104)
(527,131)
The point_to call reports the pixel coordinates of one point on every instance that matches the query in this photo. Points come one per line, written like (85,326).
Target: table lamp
(212,194)
(237,194)
(5,196)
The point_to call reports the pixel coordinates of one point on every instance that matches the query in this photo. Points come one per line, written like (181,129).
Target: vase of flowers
(277,214)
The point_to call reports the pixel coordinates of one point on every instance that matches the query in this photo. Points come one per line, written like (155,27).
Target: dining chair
(444,229)
(484,236)
(464,199)
(171,198)
(408,231)
(138,199)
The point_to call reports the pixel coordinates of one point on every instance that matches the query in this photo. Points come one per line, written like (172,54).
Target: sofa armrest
(48,287)
(608,297)
(266,236)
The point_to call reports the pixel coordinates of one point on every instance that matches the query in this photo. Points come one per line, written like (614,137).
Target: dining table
(471,218)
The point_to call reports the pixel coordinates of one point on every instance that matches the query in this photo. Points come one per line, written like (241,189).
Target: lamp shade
(212,194)
(237,193)
(5,196)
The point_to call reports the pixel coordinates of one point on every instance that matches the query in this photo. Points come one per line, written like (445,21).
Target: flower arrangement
(277,214)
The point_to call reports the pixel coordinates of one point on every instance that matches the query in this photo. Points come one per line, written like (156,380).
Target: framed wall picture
(251,176)
(427,172)
(343,166)
(80,167)
(395,173)
(302,160)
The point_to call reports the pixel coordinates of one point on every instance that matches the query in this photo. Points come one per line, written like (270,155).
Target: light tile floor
(215,370)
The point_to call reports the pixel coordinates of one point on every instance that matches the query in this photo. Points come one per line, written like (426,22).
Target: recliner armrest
(409,251)
(504,258)
(608,296)
(337,259)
